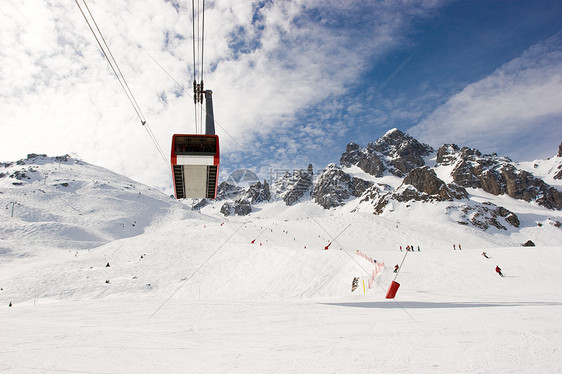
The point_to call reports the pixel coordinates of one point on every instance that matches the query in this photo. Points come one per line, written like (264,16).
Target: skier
(499,271)
(485,254)
(400,248)
(396,268)
(418,248)
(460,247)
(454,249)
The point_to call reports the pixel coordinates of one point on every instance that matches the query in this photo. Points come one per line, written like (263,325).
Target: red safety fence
(365,257)
(379,267)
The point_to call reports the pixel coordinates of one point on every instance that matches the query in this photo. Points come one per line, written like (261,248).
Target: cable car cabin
(195,164)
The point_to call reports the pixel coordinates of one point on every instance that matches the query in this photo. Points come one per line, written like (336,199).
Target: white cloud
(516,110)
(58,94)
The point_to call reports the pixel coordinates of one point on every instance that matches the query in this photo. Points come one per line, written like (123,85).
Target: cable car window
(186,145)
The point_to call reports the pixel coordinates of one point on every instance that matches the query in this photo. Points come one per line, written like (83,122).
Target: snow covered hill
(66,203)
(107,275)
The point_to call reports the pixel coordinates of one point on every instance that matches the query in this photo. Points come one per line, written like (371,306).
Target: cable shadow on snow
(439,305)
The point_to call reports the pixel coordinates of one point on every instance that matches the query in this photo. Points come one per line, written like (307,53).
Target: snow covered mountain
(99,273)
(398,171)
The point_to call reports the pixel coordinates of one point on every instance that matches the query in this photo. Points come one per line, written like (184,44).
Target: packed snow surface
(108,276)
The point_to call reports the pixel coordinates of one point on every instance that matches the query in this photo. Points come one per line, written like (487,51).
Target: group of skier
(410,248)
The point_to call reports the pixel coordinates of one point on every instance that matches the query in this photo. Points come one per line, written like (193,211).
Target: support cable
(111,60)
(118,74)
(202,41)
(201,71)
(195,96)
(184,90)
(198,41)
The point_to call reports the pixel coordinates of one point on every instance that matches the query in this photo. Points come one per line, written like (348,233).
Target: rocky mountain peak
(394,137)
(396,144)
(395,152)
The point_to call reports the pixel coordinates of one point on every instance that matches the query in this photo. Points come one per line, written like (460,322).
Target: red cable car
(195,164)
(196,158)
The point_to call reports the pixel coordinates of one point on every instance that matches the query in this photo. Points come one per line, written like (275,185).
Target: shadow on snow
(392,304)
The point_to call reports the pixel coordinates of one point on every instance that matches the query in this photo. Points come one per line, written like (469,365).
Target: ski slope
(188,291)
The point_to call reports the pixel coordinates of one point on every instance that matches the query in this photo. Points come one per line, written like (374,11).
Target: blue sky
(452,46)
(294,81)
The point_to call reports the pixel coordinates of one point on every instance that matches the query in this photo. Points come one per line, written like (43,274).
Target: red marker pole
(330,243)
(394,285)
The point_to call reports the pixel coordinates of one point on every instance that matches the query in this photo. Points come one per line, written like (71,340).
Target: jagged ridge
(400,155)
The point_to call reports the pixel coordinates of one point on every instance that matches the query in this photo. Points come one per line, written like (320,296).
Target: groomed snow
(189,291)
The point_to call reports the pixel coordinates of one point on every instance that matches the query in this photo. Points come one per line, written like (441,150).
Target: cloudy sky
(293,81)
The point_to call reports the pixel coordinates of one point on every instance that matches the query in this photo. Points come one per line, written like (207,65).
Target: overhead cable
(90,20)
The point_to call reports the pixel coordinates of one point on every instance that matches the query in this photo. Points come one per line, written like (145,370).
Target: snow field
(203,298)
(279,307)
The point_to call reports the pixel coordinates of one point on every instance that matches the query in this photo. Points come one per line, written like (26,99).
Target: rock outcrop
(292,187)
(421,184)
(227,190)
(367,161)
(334,187)
(242,207)
(226,209)
(425,181)
(257,193)
(487,215)
(496,175)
